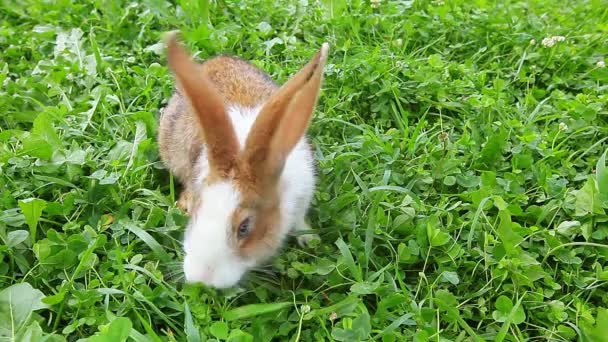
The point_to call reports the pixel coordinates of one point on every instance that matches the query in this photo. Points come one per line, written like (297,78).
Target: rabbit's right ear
(219,136)
(284,119)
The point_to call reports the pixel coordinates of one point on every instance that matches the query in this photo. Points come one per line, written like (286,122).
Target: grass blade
(192,333)
(150,241)
(346,305)
(404,319)
(348,258)
(369,230)
(507,324)
(601,174)
(252,310)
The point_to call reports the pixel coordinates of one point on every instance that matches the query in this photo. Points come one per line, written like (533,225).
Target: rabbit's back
(180,138)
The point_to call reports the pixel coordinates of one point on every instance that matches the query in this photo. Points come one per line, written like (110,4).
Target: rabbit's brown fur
(238,82)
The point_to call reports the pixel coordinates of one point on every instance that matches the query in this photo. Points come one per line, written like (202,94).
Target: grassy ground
(462,189)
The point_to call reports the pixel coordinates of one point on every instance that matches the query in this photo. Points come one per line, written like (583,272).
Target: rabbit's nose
(202,274)
(206,274)
(197,273)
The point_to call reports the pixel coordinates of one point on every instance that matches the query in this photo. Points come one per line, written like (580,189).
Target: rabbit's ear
(284,118)
(219,136)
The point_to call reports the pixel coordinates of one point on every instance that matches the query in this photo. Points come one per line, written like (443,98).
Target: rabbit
(237,143)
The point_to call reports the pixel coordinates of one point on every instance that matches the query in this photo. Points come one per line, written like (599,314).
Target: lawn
(460,148)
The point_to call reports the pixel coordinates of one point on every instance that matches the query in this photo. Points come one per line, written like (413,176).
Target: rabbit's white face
(210,246)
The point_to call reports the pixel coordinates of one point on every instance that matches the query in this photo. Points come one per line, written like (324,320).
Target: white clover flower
(563,126)
(550,41)
(305,308)
(374,3)
(532,41)
(601,64)
(333,316)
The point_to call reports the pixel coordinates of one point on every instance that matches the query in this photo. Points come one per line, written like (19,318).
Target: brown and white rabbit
(236,141)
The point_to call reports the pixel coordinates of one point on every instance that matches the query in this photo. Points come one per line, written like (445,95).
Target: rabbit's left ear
(284,118)
(208,104)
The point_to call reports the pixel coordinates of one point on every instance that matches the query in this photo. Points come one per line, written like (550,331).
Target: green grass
(462,182)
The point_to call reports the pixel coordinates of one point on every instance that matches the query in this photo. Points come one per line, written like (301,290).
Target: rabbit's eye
(244,228)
